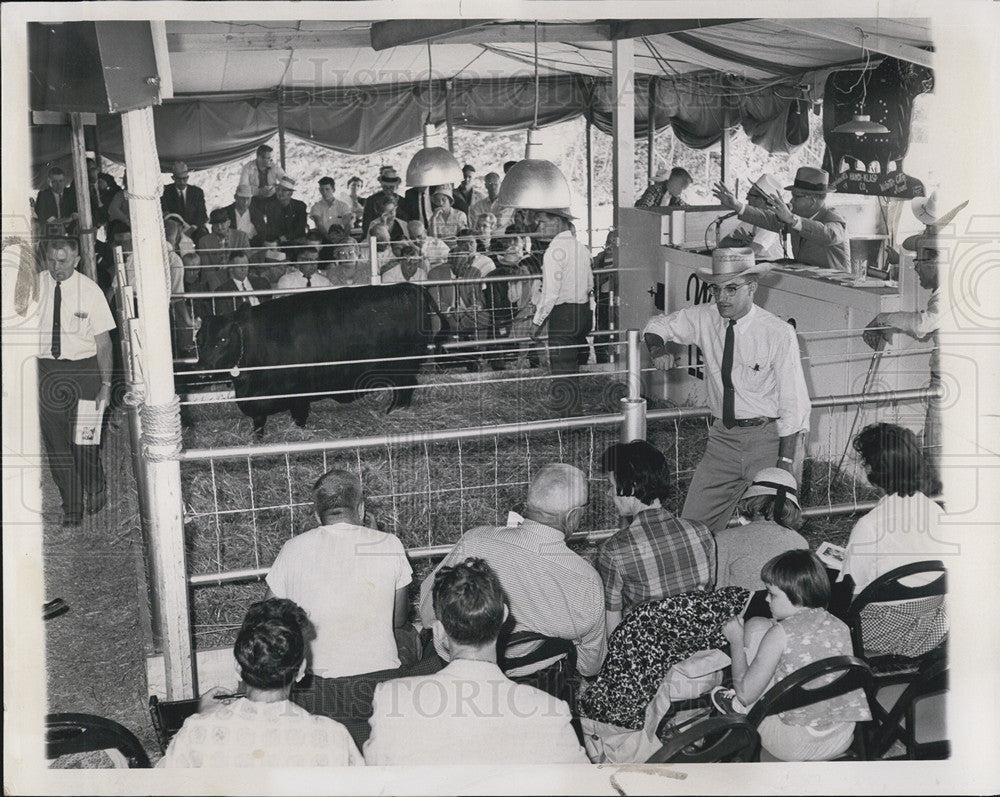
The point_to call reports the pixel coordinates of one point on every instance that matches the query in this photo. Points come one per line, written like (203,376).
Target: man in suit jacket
(819,234)
(217,247)
(55,205)
(285,219)
(240,279)
(188,201)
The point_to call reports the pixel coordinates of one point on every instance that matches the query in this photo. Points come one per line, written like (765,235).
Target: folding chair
(709,741)
(917,716)
(84,733)
(558,679)
(168,716)
(795,692)
(890,668)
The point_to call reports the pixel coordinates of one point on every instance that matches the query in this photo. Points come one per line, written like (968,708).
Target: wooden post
(160,411)
(623,144)
(85,219)
(651,128)
(281,129)
(590,185)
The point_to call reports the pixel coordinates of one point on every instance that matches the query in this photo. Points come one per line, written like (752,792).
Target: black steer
(349,324)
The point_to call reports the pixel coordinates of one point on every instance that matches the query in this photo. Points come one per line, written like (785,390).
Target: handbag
(696,675)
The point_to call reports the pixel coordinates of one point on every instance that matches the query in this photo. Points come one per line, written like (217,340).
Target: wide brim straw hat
(732,263)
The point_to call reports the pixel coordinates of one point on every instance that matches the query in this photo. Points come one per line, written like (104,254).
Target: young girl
(766,651)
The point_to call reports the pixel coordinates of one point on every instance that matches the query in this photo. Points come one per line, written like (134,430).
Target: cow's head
(219,342)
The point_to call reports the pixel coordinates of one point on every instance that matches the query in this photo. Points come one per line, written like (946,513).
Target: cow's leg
(300,411)
(258,425)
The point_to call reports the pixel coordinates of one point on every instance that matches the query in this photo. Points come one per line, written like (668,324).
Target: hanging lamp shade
(534,182)
(861,125)
(432,165)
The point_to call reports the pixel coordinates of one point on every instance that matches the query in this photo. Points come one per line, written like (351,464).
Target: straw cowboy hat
(286,182)
(442,190)
(387,174)
(733,263)
(810,180)
(926,211)
(765,185)
(772,481)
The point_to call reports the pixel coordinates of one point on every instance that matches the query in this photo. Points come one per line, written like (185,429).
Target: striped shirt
(551,590)
(656,557)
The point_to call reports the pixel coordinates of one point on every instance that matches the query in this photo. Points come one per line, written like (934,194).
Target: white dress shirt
(566,274)
(469,713)
(244,285)
(250,175)
(295,279)
(243,222)
(84,314)
(767,369)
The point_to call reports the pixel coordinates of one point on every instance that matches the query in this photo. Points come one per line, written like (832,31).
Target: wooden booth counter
(659,257)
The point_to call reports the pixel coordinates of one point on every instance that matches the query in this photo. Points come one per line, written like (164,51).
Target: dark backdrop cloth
(210,129)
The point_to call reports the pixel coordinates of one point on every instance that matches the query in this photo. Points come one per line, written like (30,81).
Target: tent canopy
(360,87)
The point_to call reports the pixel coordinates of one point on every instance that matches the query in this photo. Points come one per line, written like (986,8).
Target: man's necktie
(56,322)
(728,395)
(309,282)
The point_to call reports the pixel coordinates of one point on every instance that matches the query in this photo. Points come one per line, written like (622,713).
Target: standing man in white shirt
(262,174)
(754,384)
(567,282)
(74,364)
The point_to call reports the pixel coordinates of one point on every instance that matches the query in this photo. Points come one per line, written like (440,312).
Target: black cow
(358,324)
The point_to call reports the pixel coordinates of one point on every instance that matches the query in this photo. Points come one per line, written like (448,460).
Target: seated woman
(773,516)
(905,526)
(263,728)
(656,554)
(766,651)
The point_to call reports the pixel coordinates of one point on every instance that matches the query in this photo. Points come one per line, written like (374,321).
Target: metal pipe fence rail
(419,468)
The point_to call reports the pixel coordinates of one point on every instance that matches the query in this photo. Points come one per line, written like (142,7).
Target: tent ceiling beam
(401,32)
(398,33)
(266,40)
(846,33)
(636,28)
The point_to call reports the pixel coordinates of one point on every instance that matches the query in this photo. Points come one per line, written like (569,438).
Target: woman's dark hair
(271,643)
(469,601)
(640,470)
(762,506)
(801,576)
(893,458)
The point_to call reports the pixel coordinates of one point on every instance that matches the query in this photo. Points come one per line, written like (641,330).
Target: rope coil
(161,431)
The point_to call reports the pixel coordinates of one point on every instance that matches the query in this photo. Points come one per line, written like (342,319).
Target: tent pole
(447,117)
(623,125)
(81,184)
(590,185)
(651,128)
(161,428)
(281,130)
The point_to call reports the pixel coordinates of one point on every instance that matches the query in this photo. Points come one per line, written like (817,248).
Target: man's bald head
(557,496)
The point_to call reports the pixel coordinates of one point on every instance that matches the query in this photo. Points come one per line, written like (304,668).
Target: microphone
(718,225)
(726,216)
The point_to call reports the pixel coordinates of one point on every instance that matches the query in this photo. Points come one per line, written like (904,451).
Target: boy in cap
(819,233)
(754,384)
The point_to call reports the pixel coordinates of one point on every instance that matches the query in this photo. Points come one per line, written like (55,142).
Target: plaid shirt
(656,557)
